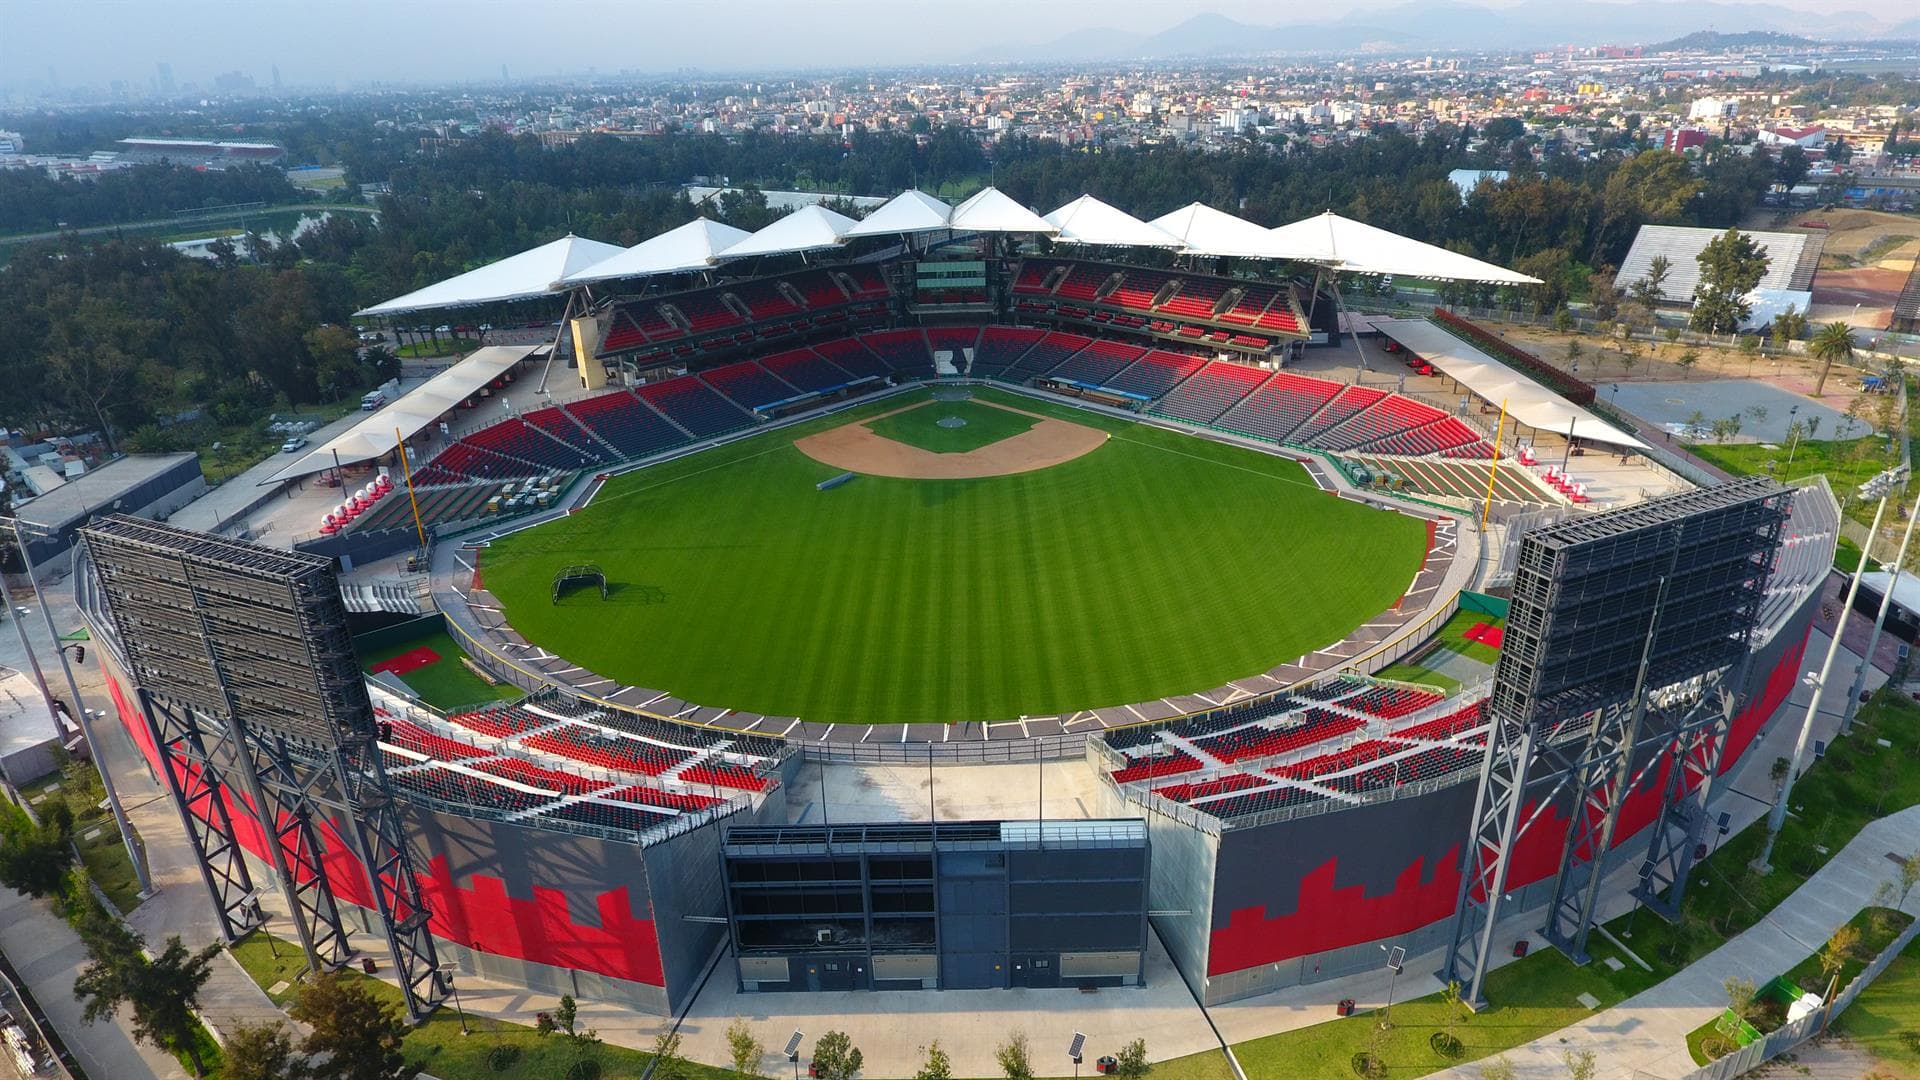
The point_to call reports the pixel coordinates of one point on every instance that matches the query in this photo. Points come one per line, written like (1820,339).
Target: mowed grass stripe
(1158,564)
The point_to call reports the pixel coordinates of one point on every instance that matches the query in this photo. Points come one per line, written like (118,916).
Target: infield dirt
(855,448)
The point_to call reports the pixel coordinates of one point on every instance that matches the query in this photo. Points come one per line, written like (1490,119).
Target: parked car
(293,444)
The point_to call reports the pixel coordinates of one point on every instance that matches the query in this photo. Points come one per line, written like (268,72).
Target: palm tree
(1833,342)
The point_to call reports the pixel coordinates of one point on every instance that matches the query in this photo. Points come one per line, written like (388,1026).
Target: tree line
(32,201)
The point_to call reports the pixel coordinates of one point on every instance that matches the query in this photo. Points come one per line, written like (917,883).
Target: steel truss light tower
(255,702)
(1622,626)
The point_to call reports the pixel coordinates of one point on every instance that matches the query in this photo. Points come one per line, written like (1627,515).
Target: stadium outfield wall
(1277,904)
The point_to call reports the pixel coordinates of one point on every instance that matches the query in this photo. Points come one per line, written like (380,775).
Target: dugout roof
(378,433)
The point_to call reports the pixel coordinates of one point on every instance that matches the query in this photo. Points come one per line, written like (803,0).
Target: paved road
(182,222)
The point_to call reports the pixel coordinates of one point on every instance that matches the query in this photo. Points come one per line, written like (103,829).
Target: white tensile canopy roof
(1202,230)
(1087,220)
(516,277)
(1345,244)
(810,228)
(911,211)
(690,247)
(1527,401)
(373,436)
(992,210)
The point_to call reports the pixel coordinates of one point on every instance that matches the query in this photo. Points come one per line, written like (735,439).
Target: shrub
(502,1057)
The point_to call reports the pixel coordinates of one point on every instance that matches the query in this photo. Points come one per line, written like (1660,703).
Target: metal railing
(1408,639)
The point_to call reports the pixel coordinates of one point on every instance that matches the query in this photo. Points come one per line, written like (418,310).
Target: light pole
(80,717)
(793,1052)
(1074,1050)
(1793,431)
(447,972)
(1396,959)
(1879,621)
(1877,488)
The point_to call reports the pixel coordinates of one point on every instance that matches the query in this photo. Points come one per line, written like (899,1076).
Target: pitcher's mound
(857,449)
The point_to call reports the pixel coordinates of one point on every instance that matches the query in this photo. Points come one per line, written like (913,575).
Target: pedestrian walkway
(1646,1035)
(49,957)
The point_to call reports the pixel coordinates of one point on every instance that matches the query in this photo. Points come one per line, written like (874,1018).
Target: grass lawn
(1846,463)
(985,425)
(437,1047)
(1857,782)
(445,684)
(1885,1018)
(1157,564)
(1450,639)
(101,849)
(414,350)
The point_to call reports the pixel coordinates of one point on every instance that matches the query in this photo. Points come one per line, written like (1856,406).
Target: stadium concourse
(1258,840)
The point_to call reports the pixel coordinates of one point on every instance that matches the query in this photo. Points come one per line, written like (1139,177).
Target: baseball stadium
(959,598)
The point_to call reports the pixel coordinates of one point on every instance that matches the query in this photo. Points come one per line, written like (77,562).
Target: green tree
(835,1056)
(938,1066)
(670,1064)
(354,1035)
(1014,1057)
(259,1052)
(1651,288)
(566,1014)
(161,992)
(1909,874)
(1580,1064)
(1131,1061)
(1497,1069)
(1787,326)
(1687,359)
(1731,265)
(36,859)
(743,1049)
(1834,342)
(1740,995)
(1838,950)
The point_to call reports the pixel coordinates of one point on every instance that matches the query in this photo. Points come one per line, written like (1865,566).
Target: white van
(373,400)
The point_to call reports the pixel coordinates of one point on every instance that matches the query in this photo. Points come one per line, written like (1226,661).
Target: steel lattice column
(284,804)
(383,847)
(198,787)
(1696,751)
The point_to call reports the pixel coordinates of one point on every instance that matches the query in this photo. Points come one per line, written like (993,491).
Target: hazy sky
(320,42)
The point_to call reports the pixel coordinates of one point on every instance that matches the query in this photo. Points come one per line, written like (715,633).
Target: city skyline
(437,41)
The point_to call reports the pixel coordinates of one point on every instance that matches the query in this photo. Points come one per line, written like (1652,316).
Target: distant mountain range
(1449,25)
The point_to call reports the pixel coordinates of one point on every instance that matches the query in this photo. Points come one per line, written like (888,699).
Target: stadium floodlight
(1879,487)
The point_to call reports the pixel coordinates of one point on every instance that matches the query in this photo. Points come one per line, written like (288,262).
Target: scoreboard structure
(248,684)
(1623,627)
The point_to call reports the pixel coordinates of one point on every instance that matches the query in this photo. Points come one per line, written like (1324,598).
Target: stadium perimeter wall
(556,912)
(1312,898)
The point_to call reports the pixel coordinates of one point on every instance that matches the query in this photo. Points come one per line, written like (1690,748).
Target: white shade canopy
(911,211)
(1526,400)
(992,210)
(690,247)
(1087,220)
(516,277)
(1345,244)
(374,436)
(810,228)
(1202,230)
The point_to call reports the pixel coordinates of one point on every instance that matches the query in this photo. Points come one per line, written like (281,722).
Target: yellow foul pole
(1493,467)
(406,470)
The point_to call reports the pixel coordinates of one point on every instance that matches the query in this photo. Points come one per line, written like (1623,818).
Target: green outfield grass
(920,427)
(1155,565)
